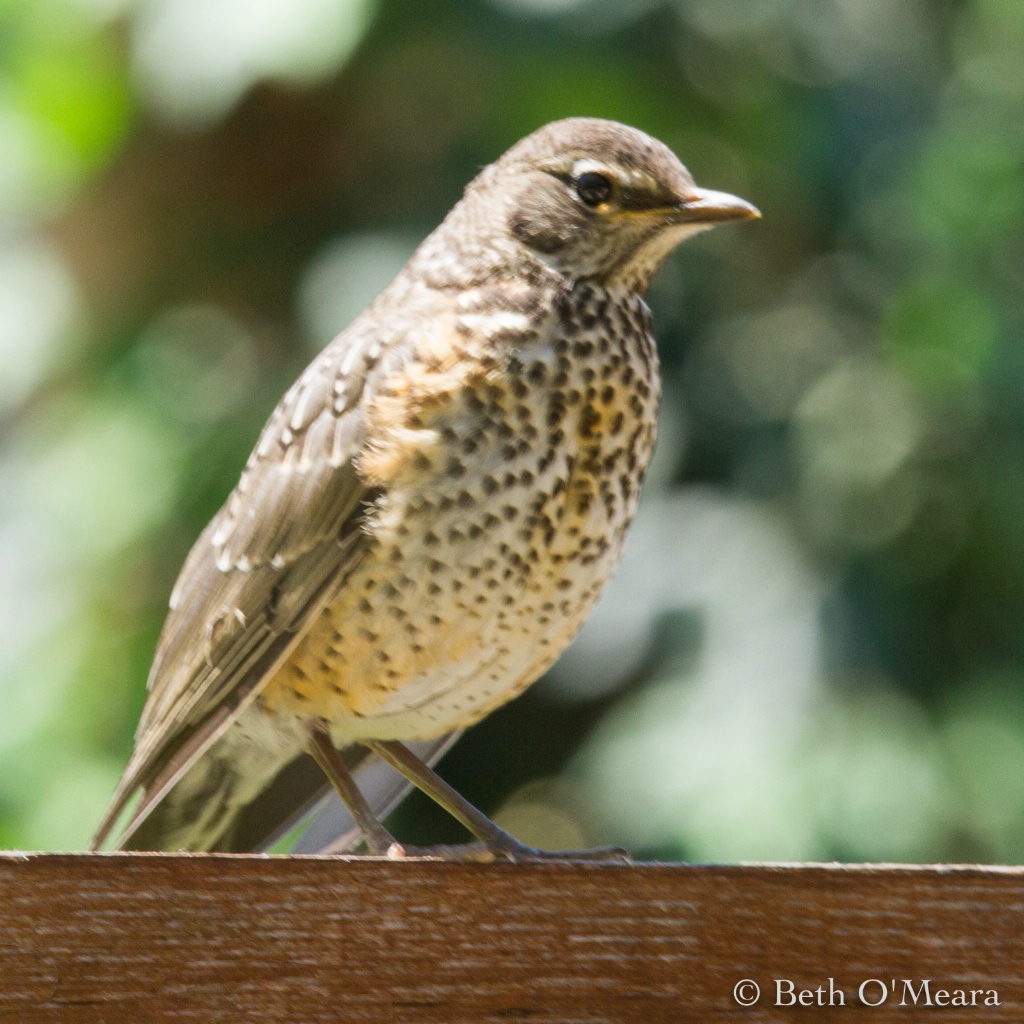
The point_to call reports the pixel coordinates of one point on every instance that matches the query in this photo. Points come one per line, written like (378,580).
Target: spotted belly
(503,515)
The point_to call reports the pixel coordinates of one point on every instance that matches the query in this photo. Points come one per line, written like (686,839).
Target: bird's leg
(378,839)
(494,839)
(495,843)
(426,779)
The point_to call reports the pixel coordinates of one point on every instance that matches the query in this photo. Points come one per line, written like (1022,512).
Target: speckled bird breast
(509,455)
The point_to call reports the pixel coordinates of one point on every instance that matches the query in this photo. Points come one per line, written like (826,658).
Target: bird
(430,513)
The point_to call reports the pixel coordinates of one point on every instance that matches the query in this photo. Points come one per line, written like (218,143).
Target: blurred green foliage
(814,648)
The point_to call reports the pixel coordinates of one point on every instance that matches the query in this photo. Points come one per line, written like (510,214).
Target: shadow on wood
(146,938)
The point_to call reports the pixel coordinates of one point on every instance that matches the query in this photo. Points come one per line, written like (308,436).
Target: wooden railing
(147,938)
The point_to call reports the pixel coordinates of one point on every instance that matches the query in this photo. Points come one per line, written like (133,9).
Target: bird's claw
(512,853)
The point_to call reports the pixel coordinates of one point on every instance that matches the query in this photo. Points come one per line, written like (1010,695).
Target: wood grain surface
(148,938)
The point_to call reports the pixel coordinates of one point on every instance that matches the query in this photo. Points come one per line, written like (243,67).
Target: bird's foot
(509,851)
(472,853)
(518,853)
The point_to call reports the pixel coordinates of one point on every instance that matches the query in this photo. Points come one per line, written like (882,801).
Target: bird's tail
(242,797)
(205,808)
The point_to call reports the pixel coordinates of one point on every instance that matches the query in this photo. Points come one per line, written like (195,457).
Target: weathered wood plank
(150,938)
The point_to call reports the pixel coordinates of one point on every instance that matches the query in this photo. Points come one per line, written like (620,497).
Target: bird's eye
(593,188)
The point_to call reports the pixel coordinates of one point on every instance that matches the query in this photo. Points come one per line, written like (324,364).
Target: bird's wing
(262,570)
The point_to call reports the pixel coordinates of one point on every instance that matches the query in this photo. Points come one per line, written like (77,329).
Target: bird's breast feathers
(506,482)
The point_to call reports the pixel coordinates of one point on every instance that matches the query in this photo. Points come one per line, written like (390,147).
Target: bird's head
(596,199)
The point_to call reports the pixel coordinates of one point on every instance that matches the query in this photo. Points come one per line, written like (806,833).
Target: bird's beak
(703,206)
